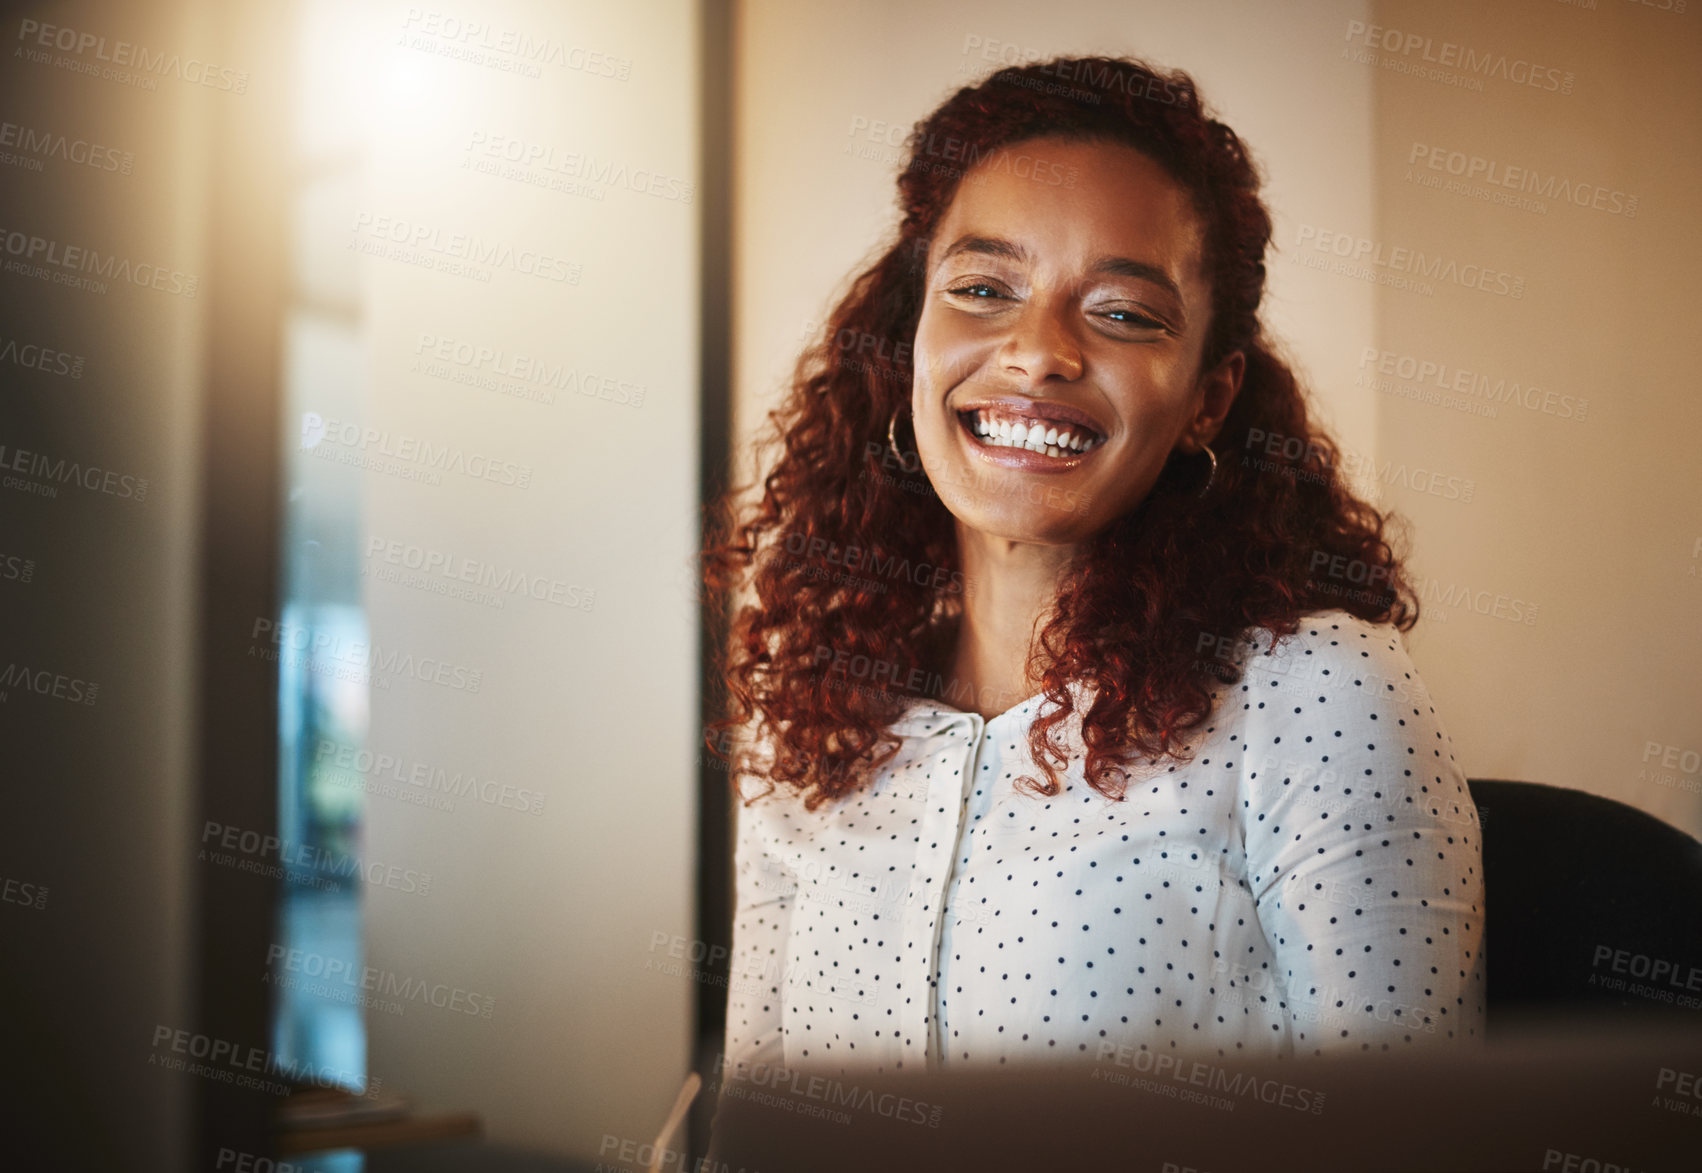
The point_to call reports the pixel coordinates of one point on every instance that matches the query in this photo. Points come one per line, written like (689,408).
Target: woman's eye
(978,291)
(1125,317)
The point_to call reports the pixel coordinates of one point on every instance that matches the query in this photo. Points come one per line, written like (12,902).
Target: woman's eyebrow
(992,246)
(1140,270)
(998,246)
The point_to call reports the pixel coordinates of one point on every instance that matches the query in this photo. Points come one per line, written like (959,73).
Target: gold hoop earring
(892,444)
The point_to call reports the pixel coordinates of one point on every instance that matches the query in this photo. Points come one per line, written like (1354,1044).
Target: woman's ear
(1218,388)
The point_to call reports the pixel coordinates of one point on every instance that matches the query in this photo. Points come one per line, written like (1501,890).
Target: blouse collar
(923,716)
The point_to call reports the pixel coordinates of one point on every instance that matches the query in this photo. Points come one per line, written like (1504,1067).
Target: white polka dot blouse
(1311,883)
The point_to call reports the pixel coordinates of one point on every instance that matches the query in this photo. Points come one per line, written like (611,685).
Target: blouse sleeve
(764,892)
(1362,840)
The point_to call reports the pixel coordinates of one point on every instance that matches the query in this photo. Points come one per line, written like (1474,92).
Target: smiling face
(1057,357)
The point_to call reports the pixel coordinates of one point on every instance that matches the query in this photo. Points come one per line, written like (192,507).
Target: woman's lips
(1001,447)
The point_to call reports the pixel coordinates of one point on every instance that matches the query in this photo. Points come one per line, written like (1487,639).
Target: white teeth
(1035,437)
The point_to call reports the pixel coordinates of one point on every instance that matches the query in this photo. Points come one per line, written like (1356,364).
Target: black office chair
(1594,907)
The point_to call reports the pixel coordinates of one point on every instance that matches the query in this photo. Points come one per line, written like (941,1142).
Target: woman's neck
(1009,589)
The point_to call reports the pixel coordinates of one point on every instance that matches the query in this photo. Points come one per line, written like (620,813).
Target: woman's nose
(1041,346)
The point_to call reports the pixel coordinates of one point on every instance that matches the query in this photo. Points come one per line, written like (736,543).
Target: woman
(1084,715)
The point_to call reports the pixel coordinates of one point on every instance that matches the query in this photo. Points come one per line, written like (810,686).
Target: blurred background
(365,366)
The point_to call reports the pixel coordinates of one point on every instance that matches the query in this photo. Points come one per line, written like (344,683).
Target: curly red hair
(1176,574)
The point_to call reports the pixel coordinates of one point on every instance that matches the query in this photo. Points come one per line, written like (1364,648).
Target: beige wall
(592,707)
(1593,520)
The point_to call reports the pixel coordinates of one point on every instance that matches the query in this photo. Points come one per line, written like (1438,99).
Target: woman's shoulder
(1338,702)
(1336,650)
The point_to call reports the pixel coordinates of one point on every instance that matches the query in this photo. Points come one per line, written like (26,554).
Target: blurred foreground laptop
(1612,1096)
